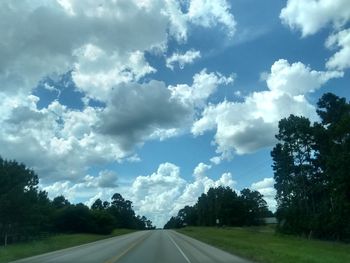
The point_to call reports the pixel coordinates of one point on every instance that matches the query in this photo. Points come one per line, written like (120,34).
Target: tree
(122,211)
(18,195)
(97,205)
(174,222)
(312,172)
(255,207)
(223,207)
(103,222)
(294,166)
(60,202)
(75,219)
(335,155)
(188,215)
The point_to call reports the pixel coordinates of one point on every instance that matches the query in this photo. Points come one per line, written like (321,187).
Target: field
(22,250)
(261,244)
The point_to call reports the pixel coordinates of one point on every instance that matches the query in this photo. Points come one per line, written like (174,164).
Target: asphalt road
(163,246)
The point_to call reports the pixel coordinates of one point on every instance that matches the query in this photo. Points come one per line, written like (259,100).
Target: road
(163,246)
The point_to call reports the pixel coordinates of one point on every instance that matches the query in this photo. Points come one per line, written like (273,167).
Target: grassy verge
(22,250)
(261,244)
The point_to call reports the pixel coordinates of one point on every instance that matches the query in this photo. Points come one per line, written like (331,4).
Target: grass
(22,250)
(261,244)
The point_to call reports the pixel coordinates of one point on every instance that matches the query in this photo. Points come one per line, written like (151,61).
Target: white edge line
(182,253)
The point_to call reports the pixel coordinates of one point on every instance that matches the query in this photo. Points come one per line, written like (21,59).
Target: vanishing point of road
(156,246)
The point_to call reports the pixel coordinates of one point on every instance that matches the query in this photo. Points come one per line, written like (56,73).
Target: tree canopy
(223,206)
(311,164)
(26,211)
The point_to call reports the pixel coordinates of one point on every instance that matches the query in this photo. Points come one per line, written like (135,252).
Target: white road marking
(182,253)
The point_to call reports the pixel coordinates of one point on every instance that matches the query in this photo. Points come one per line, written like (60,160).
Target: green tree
(97,205)
(312,172)
(334,146)
(18,194)
(255,207)
(294,166)
(75,219)
(60,202)
(222,206)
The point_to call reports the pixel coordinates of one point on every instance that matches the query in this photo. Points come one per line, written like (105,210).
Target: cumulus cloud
(266,188)
(312,15)
(97,72)
(204,85)
(341,59)
(161,194)
(58,142)
(200,170)
(61,143)
(107,179)
(99,44)
(87,189)
(99,41)
(201,13)
(137,112)
(211,13)
(244,127)
(158,196)
(182,59)
(42,38)
(283,76)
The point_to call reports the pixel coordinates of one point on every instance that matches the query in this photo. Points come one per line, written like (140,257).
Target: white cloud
(178,27)
(341,59)
(283,76)
(247,126)
(100,44)
(204,85)
(158,196)
(216,160)
(161,194)
(86,190)
(59,143)
(266,188)
(182,59)
(210,13)
(312,15)
(154,195)
(97,73)
(99,41)
(62,143)
(202,13)
(200,170)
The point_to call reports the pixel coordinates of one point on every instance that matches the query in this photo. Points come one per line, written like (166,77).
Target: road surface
(163,246)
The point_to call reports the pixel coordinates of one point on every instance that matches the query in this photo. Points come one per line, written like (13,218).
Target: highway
(156,246)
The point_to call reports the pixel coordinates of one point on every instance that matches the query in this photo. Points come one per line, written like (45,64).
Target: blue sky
(161,100)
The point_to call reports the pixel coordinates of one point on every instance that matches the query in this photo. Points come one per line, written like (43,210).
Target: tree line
(311,164)
(222,206)
(26,212)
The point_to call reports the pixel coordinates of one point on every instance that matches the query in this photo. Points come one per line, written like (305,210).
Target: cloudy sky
(160,100)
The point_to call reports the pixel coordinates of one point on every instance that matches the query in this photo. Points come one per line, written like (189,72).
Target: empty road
(163,246)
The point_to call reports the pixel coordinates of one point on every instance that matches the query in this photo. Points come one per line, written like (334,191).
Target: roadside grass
(55,242)
(261,244)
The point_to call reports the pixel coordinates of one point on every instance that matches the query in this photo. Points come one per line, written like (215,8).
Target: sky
(159,100)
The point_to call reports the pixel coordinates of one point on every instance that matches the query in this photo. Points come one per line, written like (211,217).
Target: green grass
(261,244)
(27,249)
